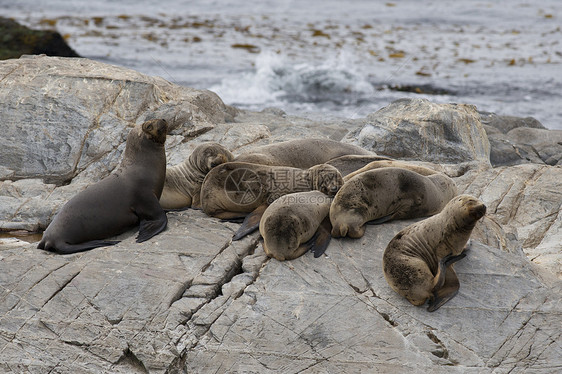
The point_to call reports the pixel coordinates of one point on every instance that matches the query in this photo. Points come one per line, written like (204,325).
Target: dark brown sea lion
(118,202)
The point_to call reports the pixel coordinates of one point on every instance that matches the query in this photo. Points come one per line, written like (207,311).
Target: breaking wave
(276,80)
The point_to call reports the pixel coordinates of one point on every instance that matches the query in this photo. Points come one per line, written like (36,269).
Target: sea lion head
(326,179)
(156,130)
(470,209)
(347,223)
(208,155)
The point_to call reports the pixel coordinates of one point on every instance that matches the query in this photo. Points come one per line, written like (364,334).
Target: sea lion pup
(233,189)
(390,164)
(381,195)
(418,261)
(182,186)
(118,202)
(296,223)
(301,153)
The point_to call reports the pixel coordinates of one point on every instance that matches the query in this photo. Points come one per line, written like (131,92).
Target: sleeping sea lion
(296,223)
(233,189)
(381,195)
(182,186)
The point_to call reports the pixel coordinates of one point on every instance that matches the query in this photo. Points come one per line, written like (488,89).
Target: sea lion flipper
(449,289)
(442,269)
(251,223)
(151,226)
(234,219)
(66,249)
(322,238)
(380,220)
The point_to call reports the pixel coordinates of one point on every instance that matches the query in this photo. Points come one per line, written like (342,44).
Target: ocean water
(328,58)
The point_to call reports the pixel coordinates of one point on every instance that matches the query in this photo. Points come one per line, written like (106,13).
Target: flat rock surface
(191,300)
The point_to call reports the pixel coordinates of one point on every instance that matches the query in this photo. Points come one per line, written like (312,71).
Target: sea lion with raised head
(295,224)
(182,187)
(418,261)
(234,189)
(385,194)
(118,202)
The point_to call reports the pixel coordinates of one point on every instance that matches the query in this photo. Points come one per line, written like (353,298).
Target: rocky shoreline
(191,300)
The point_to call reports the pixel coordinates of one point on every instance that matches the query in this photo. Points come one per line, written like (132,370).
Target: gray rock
(546,143)
(503,152)
(504,124)
(191,300)
(62,115)
(417,129)
(525,201)
(515,140)
(66,120)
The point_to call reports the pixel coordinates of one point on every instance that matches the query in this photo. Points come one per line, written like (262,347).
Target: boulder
(515,140)
(546,143)
(191,300)
(65,122)
(505,124)
(19,40)
(417,129)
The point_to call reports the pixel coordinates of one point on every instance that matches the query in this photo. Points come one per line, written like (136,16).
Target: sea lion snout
(478,211)
(217,161)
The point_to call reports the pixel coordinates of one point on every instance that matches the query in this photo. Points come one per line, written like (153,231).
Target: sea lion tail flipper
(449,289)
(149,228)
(153,219)
(380,220)
(322,238)
(66,248)
(251,223)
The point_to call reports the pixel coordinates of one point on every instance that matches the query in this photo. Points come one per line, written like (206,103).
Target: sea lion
(296,223)
(182,186)
(233,189)
(390,164)
(381,195)
(301,153)
(418,261)
(118,202)
(350,163)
